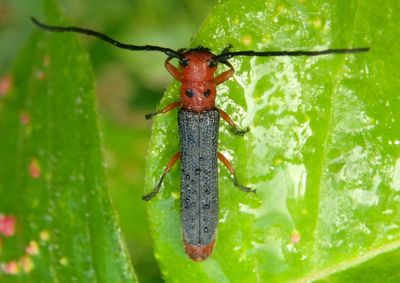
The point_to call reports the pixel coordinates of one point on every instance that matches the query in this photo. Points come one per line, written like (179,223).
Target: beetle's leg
(166,170)
(164,110)
(176,74)
(220,79)
(229,166)
(174,71)
(224,75)
(235,129)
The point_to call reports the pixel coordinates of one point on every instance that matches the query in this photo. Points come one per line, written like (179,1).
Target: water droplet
(44,235)
(317,22)
(64,261)
(364,197)
(247,40)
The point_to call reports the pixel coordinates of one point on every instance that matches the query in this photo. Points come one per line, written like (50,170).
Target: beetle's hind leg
(166,170)
(229,166)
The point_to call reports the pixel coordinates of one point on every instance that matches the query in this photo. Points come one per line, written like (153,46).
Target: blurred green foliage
(51,174)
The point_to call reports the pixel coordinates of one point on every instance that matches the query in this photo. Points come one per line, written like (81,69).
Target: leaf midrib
(350,263)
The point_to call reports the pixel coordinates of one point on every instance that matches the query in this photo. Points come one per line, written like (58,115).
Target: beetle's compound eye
(207,93)
(184,62)
(212,63)
(189,92)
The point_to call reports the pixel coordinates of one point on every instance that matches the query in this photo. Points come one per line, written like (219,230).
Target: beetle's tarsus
(239,132)
(241,187)
(149,196)
(154,192)
(149,116)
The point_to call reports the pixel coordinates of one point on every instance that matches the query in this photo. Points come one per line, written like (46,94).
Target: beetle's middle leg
(171,163)
(228,119)
(229,166)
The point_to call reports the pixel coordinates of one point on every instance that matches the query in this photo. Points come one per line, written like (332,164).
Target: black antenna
(169,52)
(227,55)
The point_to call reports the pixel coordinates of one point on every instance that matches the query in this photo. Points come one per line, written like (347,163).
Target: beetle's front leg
(174,71)
(224,75)
(164,110)
(177,75)
(228,119)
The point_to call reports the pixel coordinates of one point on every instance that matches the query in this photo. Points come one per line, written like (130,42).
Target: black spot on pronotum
(207,93)
(189,92)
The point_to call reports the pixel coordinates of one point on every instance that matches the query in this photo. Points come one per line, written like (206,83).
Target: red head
(197,69)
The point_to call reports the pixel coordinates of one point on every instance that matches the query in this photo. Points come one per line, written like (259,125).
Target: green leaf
(323,150)
(51,175)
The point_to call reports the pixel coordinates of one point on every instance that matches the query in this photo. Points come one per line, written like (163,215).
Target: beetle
(198,120)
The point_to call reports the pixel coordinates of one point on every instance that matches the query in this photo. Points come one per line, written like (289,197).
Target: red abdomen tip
(199,253)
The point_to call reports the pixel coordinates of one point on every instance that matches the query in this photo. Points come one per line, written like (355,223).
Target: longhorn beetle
(198,120)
